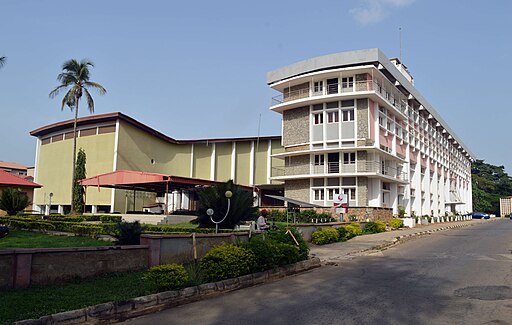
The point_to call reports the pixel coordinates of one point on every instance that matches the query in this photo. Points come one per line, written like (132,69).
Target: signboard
(340,200)
(341,210)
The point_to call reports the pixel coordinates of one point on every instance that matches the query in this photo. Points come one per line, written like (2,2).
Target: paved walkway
(362,245)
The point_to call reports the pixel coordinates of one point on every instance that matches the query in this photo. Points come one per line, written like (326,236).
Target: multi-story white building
(353,122)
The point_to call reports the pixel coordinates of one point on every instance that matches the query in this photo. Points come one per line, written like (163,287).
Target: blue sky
(197,69)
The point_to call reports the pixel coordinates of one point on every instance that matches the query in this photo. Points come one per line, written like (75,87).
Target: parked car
(480,215)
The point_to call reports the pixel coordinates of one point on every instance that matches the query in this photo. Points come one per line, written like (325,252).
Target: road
(461,276)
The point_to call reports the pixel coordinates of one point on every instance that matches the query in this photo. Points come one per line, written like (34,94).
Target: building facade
(354,123)
(115,141)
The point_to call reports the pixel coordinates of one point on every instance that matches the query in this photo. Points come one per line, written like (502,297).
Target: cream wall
(223,154)
(243,163)
(54,168)
(202,161)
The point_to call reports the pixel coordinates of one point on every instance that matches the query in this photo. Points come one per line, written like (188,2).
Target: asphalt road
(461,276)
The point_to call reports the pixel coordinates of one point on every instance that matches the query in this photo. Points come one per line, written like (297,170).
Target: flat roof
(112,117)
(355,58)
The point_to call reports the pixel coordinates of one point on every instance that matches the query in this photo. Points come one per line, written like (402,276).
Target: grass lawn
(181,225)
(28,239)
(40,301)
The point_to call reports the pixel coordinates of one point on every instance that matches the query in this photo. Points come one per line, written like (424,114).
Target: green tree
(13,201)
(80,174)
(241,206)
(75,79)
(489,183)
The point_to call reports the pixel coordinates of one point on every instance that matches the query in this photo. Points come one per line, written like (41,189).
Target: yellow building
(115,142)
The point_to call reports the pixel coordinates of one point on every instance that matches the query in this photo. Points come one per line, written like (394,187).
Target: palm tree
(75,79)
(2,61)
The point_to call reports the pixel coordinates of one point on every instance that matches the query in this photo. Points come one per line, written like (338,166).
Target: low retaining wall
(122,310)
(22,267)
(183,248)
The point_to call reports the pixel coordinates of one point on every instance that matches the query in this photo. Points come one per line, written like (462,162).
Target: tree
(241,206)
(81,159)
(13,201)
(2,61)
(489,183)
(75,79)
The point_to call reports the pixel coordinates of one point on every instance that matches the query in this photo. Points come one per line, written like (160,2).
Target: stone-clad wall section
(362,118)
(296,126)
(297,189)
(297,165)
(362,158)
(362,191)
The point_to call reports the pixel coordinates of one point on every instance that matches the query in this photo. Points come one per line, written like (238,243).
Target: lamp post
(210,211)
(50,205)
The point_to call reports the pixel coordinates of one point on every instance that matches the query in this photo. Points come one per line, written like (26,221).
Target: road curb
(109,312)
(401,239)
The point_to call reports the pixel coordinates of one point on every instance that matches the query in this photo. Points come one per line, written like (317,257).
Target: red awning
(144,181)
(8,179)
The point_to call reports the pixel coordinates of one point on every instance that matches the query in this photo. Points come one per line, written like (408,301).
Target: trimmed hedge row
(86,229)
(60,217)
(324,236)
(305,216)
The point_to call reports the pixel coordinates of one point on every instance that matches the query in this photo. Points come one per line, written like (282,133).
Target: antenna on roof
(400,34)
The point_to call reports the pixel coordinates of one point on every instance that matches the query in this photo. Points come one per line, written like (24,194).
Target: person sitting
(262,221)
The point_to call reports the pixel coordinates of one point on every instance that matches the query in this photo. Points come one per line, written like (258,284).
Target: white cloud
(374,11)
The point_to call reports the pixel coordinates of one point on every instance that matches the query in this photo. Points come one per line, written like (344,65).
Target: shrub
(227,261)
(281,236)
(374,227)
(168,276)
(324,236)
(290,253)
(13,201)
(396,223)
(266,252)
(353,229)
(109,218)
(128,233)
(343,233)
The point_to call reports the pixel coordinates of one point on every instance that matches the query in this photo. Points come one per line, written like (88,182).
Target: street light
(210,211)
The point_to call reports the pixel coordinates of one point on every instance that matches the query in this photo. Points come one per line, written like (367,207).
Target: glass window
(319,160)
(348,115)
(347,82)
(318,119)
(333,117)
(331,193)
(318,86)
(349,158)
(319,195)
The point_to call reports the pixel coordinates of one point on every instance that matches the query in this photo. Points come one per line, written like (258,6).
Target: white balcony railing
(380,87)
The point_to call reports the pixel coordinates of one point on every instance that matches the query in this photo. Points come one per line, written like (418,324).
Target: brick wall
(297,189)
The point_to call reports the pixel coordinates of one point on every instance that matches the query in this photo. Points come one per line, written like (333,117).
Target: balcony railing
(334,168)
(381,87)
(337,168)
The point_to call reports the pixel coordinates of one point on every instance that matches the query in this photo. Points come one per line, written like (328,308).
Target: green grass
(40,301)
(28,239)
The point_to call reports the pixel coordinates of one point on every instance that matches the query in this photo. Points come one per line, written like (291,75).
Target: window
(347,115)
(332,117)
(331,193)
(319,195)
(332,86)
(351,193)
(318,119)
(347,83)
(319,160)
(349,158)
(318,86)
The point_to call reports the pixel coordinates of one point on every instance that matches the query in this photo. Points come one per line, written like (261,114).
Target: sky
(197,69)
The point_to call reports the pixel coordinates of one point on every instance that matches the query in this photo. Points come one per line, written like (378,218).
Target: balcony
(379,87)
(334,168)
(372,167)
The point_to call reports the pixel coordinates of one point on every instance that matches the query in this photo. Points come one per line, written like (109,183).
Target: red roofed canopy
(8,179)
(144,181)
